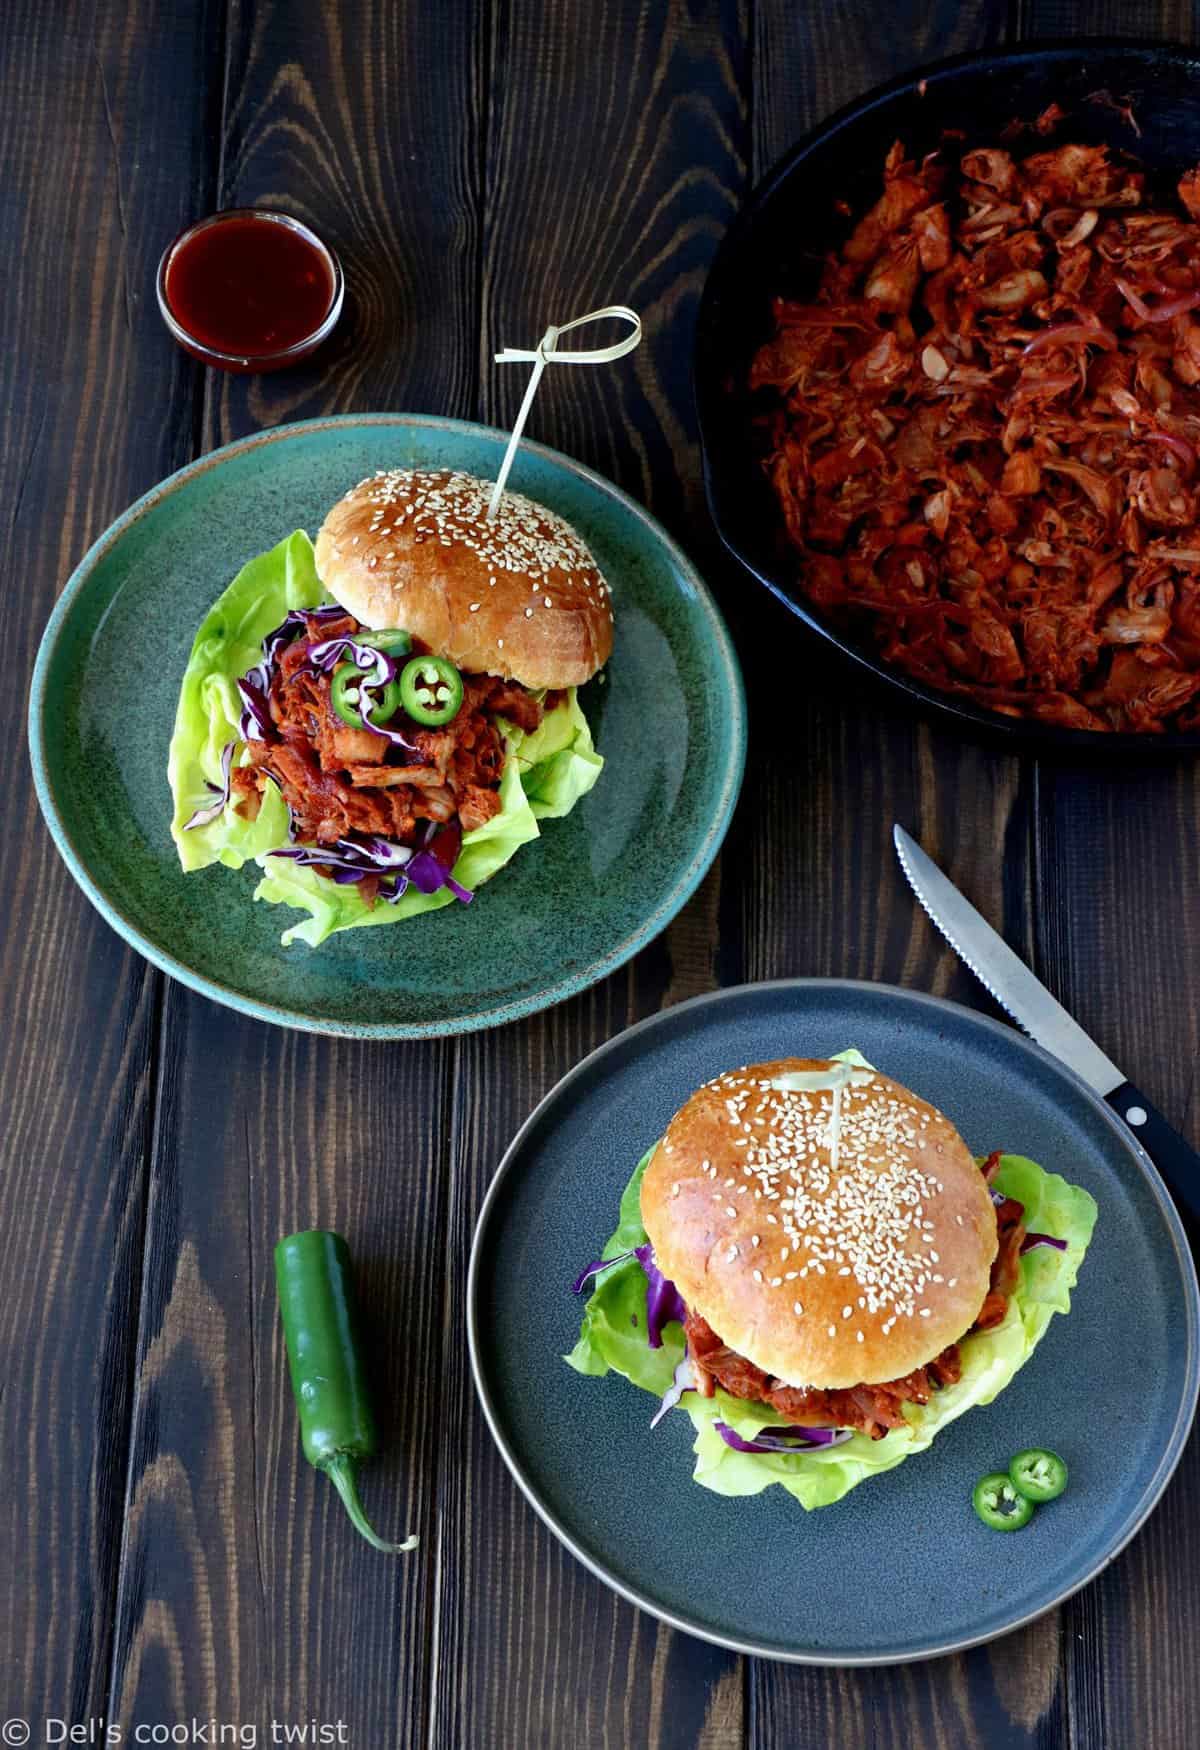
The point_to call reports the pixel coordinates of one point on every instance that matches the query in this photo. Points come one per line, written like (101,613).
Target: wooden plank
(95,405)
(820,893)
(617,148)
(246,1596)
(1170,20)
(1118,940)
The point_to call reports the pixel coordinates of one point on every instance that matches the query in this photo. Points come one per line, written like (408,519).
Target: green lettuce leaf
(545,773)
(610,1339)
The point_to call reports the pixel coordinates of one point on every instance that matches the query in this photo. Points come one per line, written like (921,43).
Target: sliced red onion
(211,810)
(789,1439)
(1065,332)
(1178,445)
(683,1379)
(1165,309)
(1032,1240)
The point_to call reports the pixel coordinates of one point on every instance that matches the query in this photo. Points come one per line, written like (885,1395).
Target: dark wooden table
(483,167)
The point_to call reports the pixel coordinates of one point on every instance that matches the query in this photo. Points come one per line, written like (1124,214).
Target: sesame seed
(859,1335)
(473,608)
(731,1211)
(797,1308)
(833,1330)
(757,1274)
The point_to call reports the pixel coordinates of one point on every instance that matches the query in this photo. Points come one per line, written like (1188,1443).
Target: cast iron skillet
(776,245)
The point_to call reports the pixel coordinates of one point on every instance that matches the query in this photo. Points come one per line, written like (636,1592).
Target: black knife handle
(1175,1158)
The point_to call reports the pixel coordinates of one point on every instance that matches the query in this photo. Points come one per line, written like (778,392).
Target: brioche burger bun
(520,597)
(830,1251)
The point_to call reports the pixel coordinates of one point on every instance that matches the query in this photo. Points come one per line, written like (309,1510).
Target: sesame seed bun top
(520,597)
(823,1271)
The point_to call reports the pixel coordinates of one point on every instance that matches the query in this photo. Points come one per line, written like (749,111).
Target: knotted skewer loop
(546,354)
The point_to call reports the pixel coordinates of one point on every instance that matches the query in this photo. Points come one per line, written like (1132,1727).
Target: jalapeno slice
(1037,1474)
(345,695)
(392,642)
(998,1504)
(431,690)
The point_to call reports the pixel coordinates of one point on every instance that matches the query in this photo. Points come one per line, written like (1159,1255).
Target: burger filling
(869,1409)
(339,781)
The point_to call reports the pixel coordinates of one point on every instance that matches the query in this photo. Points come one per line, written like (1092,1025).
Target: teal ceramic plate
(900,1568)
(669,719)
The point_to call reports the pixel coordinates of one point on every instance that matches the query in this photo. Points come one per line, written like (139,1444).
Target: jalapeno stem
(340,1471)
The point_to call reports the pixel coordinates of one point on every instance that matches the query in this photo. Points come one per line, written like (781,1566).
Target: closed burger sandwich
(826,1275)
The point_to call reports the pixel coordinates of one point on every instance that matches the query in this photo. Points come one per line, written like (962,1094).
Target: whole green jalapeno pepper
(316,1299)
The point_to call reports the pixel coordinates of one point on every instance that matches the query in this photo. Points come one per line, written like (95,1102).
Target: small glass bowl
(243,364)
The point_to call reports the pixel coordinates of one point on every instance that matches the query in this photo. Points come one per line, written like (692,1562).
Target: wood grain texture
(1118,939)
(837,761)
(616,149)
(246,1595)
(1167,20)
(482,169)
(94,407)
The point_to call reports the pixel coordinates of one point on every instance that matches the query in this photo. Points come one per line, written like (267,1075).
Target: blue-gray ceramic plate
(900,1568)
(569,908)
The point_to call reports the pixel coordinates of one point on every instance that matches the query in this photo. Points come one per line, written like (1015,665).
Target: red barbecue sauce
(250,285)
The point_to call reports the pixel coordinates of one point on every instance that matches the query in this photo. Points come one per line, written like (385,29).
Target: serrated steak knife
(1030,1004)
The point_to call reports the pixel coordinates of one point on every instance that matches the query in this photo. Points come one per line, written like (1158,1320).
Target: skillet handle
(1174,1157)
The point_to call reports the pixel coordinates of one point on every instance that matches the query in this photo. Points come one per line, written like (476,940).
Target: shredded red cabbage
(430,866)
(255,723)
(783,1439)
(255,684)
(682,1380)
(664,1303)
(376,668)
(594,1269)
(352,859)
(1032,1240)
(210,810)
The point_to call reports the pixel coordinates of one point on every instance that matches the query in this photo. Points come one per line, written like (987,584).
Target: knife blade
(1017,989)
(989,957)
